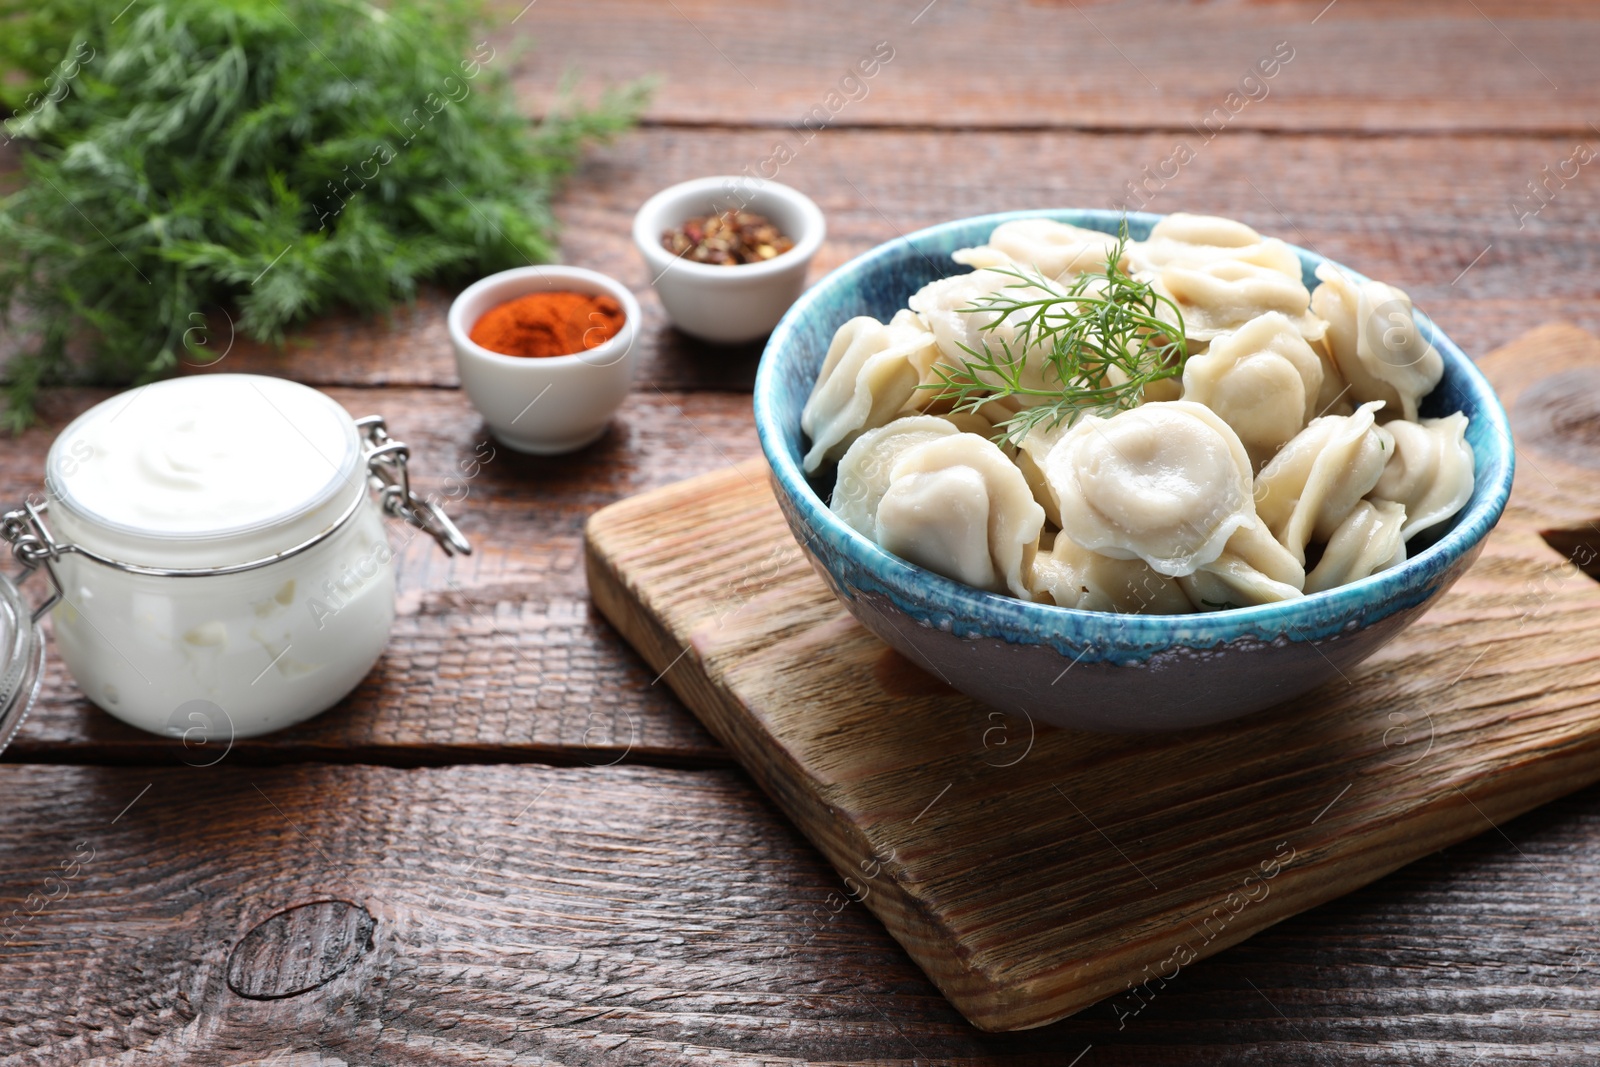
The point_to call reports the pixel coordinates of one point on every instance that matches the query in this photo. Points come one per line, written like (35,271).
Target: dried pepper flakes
(728,239)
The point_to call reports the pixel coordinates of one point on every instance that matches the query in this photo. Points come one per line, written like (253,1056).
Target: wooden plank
(1366,65)
(635,917)
(1435,215)
(1023,909)
(495,656)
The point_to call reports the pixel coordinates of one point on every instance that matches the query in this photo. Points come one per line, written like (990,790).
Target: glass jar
(23,666)
(217,552)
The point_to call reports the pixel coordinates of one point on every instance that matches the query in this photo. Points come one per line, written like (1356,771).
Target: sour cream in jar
(222,564)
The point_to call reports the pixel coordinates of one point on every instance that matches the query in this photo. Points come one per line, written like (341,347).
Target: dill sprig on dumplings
(1106,336)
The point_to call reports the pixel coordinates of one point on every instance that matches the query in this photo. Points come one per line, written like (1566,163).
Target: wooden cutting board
(1032,871)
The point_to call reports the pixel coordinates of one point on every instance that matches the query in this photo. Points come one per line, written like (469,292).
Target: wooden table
(553,862)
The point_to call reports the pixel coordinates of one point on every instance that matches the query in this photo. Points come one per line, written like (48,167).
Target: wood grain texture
(1547,382)
(410,346)
(1437,216)
(1022,908)
(626,916)
(494,656)
(299,949)
(1359,65)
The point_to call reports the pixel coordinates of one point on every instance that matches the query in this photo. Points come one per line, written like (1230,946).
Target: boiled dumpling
(1314,482)
(1054,249)
(1253,569)
(1370,539)
(960,333)
(1263,379)
(1191,240)
(973,422)
(1153,509)
(957,506)
(1374,340)
(1430,471)
(963,334)
(1167,483)
(1334,396)
(1071,576)
(1000,410)
(1031,453)
(1155,390)
(940,520)
(870,373)
(969,422)
(864,470)
(1224,294)
(1163,389)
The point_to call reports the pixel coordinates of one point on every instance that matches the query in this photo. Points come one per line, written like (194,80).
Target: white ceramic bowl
(552,404)
(728,304)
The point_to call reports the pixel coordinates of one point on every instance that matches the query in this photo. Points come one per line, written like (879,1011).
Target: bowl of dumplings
(1127,472)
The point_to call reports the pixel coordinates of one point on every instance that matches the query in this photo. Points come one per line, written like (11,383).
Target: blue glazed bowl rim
(975,611)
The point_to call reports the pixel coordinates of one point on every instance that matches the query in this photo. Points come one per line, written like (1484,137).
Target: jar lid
(207,470)
(21,660)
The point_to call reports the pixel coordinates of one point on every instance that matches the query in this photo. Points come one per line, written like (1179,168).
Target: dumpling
(957,506)
(972,422)
(1263,379)
(1031,453)
(1374,340)
(1334,396)
(1430,471)
(1253,569)
(959,333)
(1163,389)
(864,469)
(1055,249)
(1224,294)
(870,373)
(1370,539)
(1314,482)
(1155,390)
(1071,576)
(1167,483)
(1191,240)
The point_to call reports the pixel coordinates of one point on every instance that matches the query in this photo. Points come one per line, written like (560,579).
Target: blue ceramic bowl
(1083,669)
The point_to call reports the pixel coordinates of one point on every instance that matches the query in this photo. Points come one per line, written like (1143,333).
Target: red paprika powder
(549,324)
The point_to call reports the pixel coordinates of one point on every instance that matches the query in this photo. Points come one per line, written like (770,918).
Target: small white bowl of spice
(728,254)
(546,354)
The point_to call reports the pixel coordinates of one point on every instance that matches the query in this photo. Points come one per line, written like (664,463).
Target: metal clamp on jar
(218,562)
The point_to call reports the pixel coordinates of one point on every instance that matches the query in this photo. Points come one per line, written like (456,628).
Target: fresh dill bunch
(1106,338)
(192,167)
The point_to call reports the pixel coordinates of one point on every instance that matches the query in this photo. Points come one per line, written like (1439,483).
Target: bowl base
(546,447)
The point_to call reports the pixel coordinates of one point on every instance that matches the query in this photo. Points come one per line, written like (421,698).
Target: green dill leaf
(1103,338)
(259,161)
